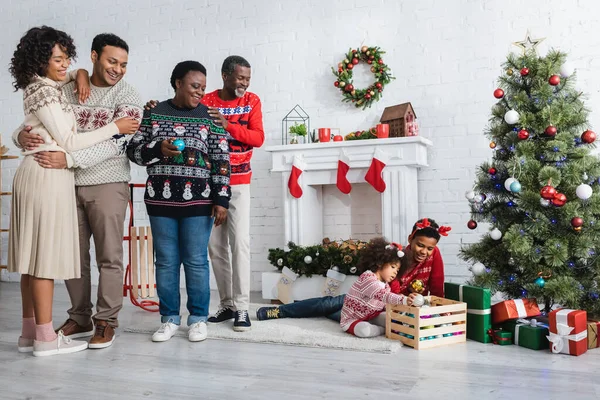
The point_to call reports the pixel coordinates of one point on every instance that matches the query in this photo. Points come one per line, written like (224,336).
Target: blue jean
(328,306)
(177,241)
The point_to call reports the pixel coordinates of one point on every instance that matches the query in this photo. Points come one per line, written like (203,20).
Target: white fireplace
(303,217)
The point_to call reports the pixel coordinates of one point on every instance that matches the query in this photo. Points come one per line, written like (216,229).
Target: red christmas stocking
(343,167)
(374,177)
(293,184)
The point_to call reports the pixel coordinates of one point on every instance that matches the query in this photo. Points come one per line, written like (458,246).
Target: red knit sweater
(245,130)
(430,272)
(367,297)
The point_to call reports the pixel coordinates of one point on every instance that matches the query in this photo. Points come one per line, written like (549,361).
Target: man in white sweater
(102,175)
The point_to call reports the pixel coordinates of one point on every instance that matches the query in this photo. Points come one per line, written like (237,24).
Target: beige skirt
(43,239)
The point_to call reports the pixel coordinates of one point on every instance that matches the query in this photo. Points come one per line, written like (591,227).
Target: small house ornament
(402,120)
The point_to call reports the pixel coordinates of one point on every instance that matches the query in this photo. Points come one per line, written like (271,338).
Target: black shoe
(265,313)
(224,314)
(242,321)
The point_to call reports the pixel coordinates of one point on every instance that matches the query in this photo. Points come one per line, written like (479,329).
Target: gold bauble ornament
(509,72)
(417,286)
(577,228)
(492,145)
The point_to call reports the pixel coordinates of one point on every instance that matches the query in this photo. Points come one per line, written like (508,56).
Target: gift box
(514,309)
(530,333)
(479,301)
(501,337)
(568,331)
(592,334)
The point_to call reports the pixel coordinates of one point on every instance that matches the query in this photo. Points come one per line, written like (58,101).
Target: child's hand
(411,298)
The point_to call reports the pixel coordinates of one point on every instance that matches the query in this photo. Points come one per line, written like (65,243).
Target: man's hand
(219,213)
(51,159)
(215,113)
(151,104)
(168,149)
(82,85)
(28,140)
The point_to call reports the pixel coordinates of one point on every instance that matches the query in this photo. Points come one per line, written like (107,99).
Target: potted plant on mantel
(297,130)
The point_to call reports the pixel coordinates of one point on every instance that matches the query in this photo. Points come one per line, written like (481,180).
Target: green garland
(362,97)
(328,255)
(362,135)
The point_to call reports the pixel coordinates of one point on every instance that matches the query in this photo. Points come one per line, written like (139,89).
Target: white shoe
(60,345)
(165,332)
(197,332)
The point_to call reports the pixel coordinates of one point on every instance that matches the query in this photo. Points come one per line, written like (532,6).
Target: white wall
(446,56)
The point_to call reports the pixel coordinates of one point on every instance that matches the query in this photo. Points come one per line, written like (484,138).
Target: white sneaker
(197,332)
(60,345)
(165,332)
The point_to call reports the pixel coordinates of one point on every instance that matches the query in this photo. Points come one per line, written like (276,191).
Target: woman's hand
(219,213)
(168,149)
(151,104)
(82,85)
(127,125)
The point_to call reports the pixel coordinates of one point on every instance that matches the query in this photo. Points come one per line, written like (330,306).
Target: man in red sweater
(240,113)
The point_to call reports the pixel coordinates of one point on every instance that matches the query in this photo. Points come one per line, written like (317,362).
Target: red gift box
(513,309)
(568,331)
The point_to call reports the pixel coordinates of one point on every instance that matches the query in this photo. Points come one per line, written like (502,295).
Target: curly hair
(375,255)
(34,51)
(431,231)
(231,62)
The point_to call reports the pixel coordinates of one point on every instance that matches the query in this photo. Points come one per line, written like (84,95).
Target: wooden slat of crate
(443,341)
(442,330)
(457,317)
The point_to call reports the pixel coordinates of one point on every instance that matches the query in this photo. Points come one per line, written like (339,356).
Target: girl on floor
(363,312)
(43,239)
(422,263)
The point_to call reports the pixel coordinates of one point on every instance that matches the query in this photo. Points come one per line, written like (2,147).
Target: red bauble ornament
(559,200)
(551,130)
(355,61)
(576,222)
(378,85)
(498,93)
(548,192)
(338,138)
(588,137)
(350,66)
(349,88)
(340,70)
(554,80)
(367,96)
(524,71)
(369,61)
(336,84)
(380,61)
(354,50)
(492,171)
(471,224)
(523,134)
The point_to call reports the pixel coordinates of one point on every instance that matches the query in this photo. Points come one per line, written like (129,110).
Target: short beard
(239,94)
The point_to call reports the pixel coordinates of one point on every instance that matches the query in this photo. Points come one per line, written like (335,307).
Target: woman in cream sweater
(43,240)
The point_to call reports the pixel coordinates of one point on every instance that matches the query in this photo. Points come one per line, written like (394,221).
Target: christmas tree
(540,190)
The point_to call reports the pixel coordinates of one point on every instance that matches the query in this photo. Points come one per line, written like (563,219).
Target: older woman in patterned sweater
(187,190)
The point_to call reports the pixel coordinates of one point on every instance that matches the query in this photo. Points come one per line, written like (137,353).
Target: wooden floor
(136,368)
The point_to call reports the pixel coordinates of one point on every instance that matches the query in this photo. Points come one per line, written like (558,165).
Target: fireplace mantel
(399,202)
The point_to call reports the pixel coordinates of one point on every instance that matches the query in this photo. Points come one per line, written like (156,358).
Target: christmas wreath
(362,97)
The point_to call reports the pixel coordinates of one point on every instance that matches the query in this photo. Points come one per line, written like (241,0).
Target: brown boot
(103,337)
(73,330)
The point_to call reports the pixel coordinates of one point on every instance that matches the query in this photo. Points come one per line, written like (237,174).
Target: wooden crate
(458,318)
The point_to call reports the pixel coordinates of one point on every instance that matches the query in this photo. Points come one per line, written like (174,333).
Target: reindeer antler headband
(442,230)
(395,246)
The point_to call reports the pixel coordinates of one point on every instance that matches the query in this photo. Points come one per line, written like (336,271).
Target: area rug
(307,332)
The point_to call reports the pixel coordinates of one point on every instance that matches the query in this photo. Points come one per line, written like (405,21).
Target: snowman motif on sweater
(187,191)
(223,145)
(150,189)
(223,191)
(155,127)
(206,191)
(179,129)
(167,190)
